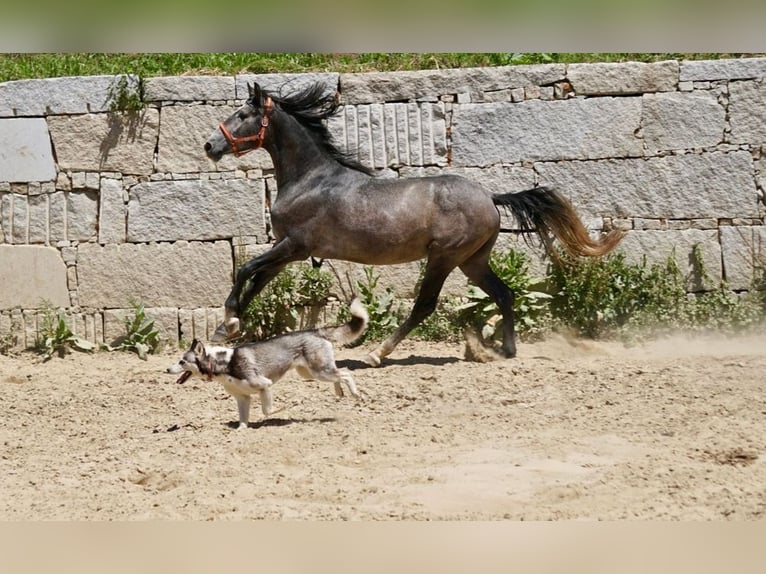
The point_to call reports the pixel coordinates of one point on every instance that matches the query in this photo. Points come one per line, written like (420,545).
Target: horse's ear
(254,93)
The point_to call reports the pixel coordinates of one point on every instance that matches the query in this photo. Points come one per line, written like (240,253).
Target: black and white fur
(254,367)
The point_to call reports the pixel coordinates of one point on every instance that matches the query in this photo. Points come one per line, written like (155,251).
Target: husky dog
(254,367)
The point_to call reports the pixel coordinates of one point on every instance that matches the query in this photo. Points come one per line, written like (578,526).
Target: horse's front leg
(259,270)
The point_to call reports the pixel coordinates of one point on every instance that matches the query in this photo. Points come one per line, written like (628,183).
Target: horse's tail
(350,331)
(543,210)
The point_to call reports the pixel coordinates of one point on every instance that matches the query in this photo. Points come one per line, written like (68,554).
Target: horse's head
(245,129)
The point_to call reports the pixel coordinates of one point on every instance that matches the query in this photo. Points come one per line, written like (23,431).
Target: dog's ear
(197,347)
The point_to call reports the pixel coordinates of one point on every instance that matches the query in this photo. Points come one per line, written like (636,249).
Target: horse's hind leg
(477,269)
(425,303)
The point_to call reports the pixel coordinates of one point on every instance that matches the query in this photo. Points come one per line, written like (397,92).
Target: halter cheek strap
(258,138)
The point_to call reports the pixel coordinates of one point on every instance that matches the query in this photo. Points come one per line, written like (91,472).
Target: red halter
(257,138)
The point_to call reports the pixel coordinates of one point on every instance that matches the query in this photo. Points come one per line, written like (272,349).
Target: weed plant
(383,308)
(125,97)
(610,297)
(54,335)
(141,334)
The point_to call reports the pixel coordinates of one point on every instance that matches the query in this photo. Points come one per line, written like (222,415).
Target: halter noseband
(257,138)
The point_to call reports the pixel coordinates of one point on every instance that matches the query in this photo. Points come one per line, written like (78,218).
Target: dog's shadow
(280,422)
(355,364)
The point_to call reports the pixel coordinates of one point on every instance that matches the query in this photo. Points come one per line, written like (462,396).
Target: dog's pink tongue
(185,375)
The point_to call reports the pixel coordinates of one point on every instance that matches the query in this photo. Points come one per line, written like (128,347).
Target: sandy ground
(671,429)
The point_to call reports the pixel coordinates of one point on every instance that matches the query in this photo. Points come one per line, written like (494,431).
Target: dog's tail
(351,331)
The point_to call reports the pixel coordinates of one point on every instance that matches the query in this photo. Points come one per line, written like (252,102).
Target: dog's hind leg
(267,402)
(346,377)
(338,377)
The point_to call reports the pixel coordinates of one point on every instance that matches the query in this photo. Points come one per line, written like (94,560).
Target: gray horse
(331,207)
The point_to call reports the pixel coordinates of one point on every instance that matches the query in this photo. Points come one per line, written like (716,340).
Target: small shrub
(141,335)
(276,309)
(10,339)
(7,342)
(531,302)
(383,309)
(314,286)
(55,337)
(611,297)
(444,324)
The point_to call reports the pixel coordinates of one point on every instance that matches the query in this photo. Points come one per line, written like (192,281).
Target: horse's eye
(242,116)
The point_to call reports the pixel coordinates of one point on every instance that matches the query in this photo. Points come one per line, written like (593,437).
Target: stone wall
(101,208)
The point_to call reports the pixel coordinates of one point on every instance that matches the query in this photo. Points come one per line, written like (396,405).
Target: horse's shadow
(280,422)
(355,364)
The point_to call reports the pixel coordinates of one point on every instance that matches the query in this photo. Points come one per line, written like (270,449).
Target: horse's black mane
(311,107)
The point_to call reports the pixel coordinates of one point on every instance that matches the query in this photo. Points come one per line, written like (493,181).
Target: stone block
(747,112)
(739,69)
(196,210)
(71,275)
(383,135)
(31,274)
(25,151)
(57,214)
(623,78)
(65,95)
(82,215)
(185,327)
(378,87)
(677,120)
(744,254)
(199,323)
(485,134)
(6,217)
(106,142)
(760,172)
(92,181)
(38,218)
(94,327)
(189,88)
(286,84)
(658,246)
(686,186)
(180,274)
(183,133)
(113,212)
(20,218)
(63,182)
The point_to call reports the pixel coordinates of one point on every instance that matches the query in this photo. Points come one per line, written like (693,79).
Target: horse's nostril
(207,146)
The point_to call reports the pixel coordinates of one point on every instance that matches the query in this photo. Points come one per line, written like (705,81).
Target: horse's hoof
(226,331)
(372,359)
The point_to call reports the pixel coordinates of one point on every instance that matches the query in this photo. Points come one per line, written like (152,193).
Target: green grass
(24,66)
